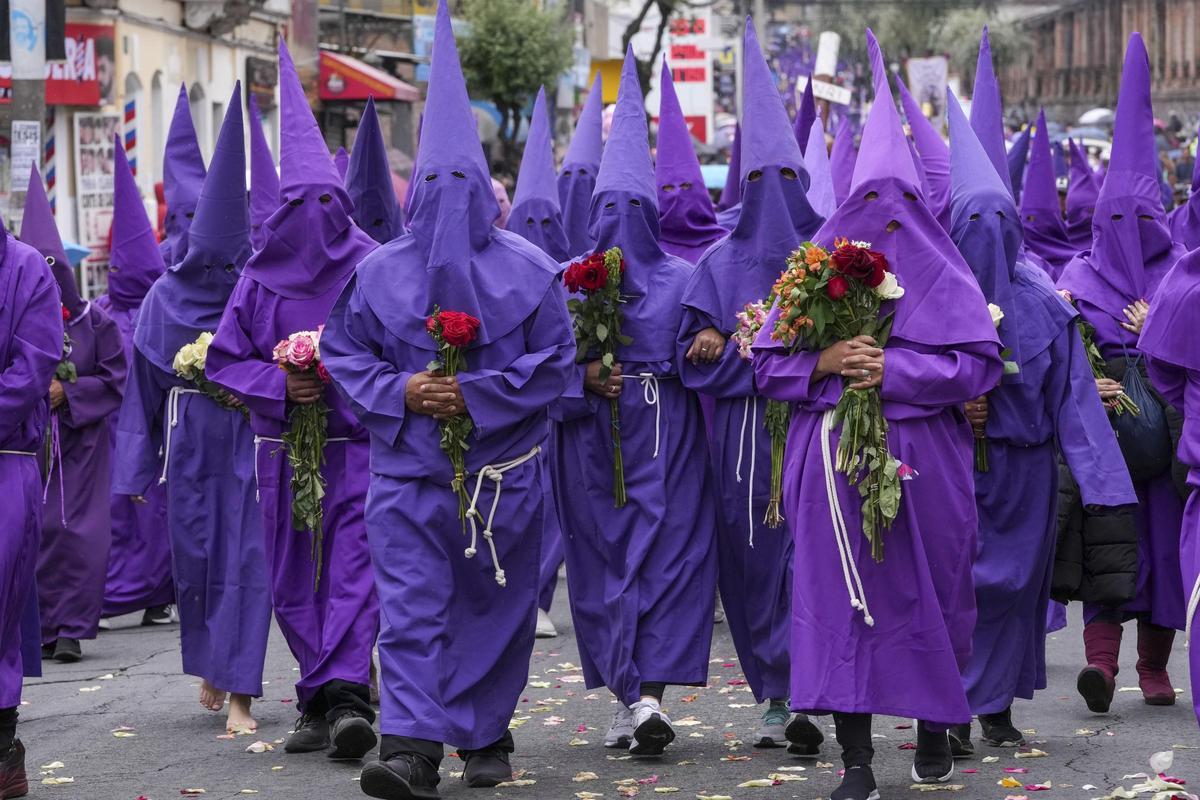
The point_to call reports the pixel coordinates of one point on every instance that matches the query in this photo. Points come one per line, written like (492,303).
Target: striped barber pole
(131,134)
(48,152)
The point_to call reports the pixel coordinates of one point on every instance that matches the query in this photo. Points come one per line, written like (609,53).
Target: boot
(1154,650)
(960,741)
(933,761)
(1097,681)
(13,782)
(400,776)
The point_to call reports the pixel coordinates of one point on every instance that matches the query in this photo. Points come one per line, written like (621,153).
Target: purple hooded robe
(1169,340)
(1185,219)
(1041,214)
(943,351)
(139,561)
(1131,252)
(643,577)
(686,220)
(458,626)
(577,180)
(935,156)
(369,181)
(77,529)
(1049,407)
(1083,189)
(207,448)
(731,191)
(842,158)
(264,180)
(31,344)
(310,248)
(806,115)
(754,561)
(183,175)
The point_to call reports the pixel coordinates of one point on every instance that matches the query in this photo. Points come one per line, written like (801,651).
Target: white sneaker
(545,626)
(105,624)
(620,733)
(652,730)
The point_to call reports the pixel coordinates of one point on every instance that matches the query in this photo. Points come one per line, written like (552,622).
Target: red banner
(87,76)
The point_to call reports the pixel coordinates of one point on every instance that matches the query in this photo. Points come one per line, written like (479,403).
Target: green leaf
(608,360)
(601,331)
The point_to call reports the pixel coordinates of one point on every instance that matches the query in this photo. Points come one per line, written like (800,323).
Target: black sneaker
(311,734)
(158,615)
(484,769)
(998,730)
(804,738)
(404,776)
(352,737)
(66,651)
(48,651)
(13,782)
(858,783)
(960,741)
(933,762)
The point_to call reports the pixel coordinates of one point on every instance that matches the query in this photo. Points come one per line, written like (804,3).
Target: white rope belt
(495,474)
(749,415)
(18,453)
(1193,606)
(260,439)
(650,395)
(172,421)
(854,585)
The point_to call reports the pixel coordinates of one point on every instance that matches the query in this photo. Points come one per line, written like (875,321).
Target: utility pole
(27,113)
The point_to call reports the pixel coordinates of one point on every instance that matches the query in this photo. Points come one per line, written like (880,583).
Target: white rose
(890,289)
(201,349)
(185,360)
(997,314)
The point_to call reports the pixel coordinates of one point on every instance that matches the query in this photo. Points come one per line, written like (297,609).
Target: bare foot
(239,720)
(211,697)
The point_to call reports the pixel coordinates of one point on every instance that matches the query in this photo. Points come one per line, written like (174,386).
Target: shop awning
(346,78)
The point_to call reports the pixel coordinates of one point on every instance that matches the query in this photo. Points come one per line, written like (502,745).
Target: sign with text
(26,150)
(824,91)
(94,192)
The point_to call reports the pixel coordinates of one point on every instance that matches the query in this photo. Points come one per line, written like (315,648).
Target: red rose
(323,373)
(571,278)
(853,261)
(879,268)
(458,329)
(837,287)
(593,276)
(66,314)
(430,324)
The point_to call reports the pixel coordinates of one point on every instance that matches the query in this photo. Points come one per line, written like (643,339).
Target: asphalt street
(125,725)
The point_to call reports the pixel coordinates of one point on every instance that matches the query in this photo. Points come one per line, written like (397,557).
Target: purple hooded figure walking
(207,462)
(458,625)
(577,180)
(139,561)
(754,559)
(183,175)
(1111,285)
(1185,219)
(376,210)
(900,647)
(309,251)
(842,158)
(1046,407)
(643,576)
(31,345)
(1041,213)
(935,157)
(686,219)
(1083,189)
(264,180)
(87,386)
(1169,341)
(731,192)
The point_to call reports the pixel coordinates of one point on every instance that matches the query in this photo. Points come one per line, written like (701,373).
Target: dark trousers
(338,697)
(854,737)
(8,728)
(433,751)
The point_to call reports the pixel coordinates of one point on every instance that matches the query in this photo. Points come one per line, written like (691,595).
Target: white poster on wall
(27,37)
(26,150)
(94,193)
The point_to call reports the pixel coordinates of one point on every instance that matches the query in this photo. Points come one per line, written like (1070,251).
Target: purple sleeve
(35,349)
(534,380)
(731,376)
(789,377)
(1169,380)
(139,429)
(93,397)
(235,363)
(944,378)
(1085,438)
(575,401)
(352,351)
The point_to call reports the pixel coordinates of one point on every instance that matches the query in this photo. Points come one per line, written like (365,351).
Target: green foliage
(305,444)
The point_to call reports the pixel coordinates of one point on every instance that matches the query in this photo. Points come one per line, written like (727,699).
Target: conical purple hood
(535,214)
(341,162)
(1132,248)
(1060,159)
(369,181)
(731,192)
(626,165)
(264,180)
(1017,154)
(1041,215)
(1170,331)
(767,134)
(39,231)
(1185,219)
(842,158)
(821,195)
(1083,189)
(577,182)
(935,156)
(942,305)
(687,221)
(987,112)
(303,156)
(183,175)
(879,73)
(134,261)
(805,115)
(190,297)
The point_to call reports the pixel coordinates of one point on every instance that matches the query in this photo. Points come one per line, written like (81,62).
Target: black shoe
(66,651)
(804,738)
(960,741)
(158,615)
(311,734)
(998,730)
(48,651)
(352,737)
(858,783)
(13,782)
(933,762)
(404,776)
(486,768)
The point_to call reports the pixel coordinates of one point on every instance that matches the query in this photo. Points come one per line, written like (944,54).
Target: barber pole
(131,135)
(48,153)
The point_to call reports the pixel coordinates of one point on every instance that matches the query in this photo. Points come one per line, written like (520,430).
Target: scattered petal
(823,765)
(648,781)
(276,769)
(192,791)
(735,758)
(690,698)
(584,777)
(56,781)
(1039,787)
(53,765)
(248,791)
(124,734)
(1016,770)
(1161,762)
(539,684)
(588,795)
(1032,753)
(260,747)
(628,791)
(713,797)
(758,783)
(666,789)
(89,688)
(1009,783)
(687,722)
(1085,732)
(107,677)
(519,782)
(937,787)
(577,742)
(785,777)
(908,746)
(791,769)
(990,759)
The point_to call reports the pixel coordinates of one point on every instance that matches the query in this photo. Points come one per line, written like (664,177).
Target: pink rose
(280,352)
(301,352)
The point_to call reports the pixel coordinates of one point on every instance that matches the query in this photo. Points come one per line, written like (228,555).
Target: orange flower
(814,255)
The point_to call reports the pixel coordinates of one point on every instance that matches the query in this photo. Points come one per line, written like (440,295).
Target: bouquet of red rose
(597,321)
(779,413)
(452,332)
(300,352)
(66,371)
(824,298)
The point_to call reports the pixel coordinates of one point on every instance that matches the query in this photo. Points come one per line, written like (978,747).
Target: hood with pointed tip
(987,111)
(40,231)
(369,181)
(183,175)
(1041,214)
(264,180)
(134,262)
(535,213)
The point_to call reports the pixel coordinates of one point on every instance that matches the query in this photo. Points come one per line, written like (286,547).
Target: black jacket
(1096,560)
